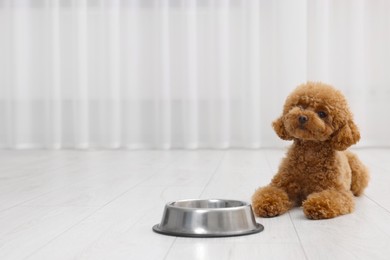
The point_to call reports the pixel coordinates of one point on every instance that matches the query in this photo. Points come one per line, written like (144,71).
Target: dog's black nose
(302,119)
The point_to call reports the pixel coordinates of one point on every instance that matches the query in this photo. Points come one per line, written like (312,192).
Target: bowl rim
(172,205)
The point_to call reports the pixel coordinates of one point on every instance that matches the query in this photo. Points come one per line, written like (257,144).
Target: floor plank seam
(170,248)
(160,169)
(377,203)
(20,204)
(214,173)
(299,238)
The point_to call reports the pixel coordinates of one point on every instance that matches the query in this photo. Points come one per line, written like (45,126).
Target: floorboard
(102,205)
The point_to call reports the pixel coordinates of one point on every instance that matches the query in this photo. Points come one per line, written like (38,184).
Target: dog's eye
(322,114)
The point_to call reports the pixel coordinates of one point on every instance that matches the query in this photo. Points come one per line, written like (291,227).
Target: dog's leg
(360,175)
(270,201)
(328,204)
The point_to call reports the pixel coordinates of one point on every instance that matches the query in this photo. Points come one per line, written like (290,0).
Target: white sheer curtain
(183,73)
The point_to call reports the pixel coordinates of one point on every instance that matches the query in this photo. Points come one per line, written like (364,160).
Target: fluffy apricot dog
(317,172)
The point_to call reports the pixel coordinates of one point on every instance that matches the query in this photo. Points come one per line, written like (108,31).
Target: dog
(318,173)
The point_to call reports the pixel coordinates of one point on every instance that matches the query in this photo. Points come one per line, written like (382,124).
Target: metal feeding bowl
(208,218)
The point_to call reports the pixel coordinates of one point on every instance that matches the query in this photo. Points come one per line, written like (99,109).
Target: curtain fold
(183,73)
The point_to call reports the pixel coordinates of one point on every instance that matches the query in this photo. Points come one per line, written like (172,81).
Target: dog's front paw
(270,202)
(328,204)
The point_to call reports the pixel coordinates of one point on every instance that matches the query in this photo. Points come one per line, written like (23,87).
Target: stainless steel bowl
(208,218)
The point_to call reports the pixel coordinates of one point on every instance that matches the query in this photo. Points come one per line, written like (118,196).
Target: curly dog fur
(317,172)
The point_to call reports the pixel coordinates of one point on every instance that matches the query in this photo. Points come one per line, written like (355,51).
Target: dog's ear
(280,129)
(346,136)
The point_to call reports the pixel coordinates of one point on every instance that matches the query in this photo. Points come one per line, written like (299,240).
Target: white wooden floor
(103,204)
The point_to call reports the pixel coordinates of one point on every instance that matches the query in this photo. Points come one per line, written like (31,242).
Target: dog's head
(317,112)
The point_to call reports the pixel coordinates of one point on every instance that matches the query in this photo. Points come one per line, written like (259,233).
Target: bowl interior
(208,204)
